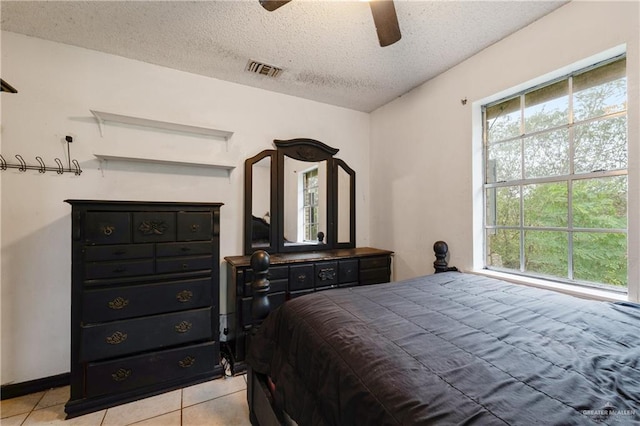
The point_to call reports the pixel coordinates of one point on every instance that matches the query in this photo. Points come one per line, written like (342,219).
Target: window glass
(546,204)
(546,154)
(547,107)
(503,120)
(600,203)
(600,91)
(601,145)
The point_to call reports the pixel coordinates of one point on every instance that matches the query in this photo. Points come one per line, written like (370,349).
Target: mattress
(452,349)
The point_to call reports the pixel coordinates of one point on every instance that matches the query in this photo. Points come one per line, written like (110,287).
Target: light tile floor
(217,402)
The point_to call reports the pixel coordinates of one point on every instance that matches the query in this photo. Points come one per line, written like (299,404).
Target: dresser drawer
(183,249)
(300,277)
(194,226)
(115,252)
(128,268)
(138,300)
(154,227)
(125,337)
(278,278)
(326,274)
(348,271)
(375,262)
(107,228)
(275,286)
(145,370)
(183,264)
(375,276)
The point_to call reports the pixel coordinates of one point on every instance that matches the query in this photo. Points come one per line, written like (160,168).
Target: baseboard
(25,388)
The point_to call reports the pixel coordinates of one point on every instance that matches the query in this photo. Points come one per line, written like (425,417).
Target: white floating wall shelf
(117,157)
(103,117)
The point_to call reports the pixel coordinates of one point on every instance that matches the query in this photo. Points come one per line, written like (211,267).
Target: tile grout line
(34,407)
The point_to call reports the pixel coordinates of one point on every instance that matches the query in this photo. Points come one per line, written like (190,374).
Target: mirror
(345,203)
(306,200)
(259,202)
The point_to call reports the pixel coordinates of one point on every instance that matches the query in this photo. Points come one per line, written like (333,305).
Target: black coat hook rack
(41,167)
(73,166)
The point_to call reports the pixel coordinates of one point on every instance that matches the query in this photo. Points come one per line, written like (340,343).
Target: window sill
(583,292)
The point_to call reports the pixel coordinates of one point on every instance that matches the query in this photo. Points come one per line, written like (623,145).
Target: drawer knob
(183,327)
(118,303)
(184,296)
(116,338)
(187,362)
(121,374)
(195,227)
(108,230)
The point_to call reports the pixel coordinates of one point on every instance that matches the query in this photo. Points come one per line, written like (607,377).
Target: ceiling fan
(384,17)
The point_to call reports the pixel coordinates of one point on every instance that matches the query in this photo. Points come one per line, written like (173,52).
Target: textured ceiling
(328,50)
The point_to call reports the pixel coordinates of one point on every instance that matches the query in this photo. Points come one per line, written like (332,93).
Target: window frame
(568,178)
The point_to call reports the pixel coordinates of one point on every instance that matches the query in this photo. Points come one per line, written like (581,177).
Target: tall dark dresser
(144,300)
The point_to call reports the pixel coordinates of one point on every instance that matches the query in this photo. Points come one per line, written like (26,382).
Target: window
(310,204)
(555,179)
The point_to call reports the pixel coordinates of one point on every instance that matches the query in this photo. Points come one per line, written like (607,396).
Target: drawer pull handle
(183,327)
(327,274)
(302,277)
(185,266)
(187,362)
(184,296)
(116,338)
(149,227)
(118,303)
(195,227)
(120,269)
(185,249)
(120,252)
(108,230)
(121,374)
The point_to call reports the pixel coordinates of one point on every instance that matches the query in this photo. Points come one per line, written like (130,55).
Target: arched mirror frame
(249,219)
(308,150)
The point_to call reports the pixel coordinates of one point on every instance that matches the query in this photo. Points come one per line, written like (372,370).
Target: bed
(448,348)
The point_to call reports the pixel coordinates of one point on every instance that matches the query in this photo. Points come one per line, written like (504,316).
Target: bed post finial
(260,307)
(441,265)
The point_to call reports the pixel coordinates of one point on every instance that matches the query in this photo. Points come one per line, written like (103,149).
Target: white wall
(58,85)
(423,142)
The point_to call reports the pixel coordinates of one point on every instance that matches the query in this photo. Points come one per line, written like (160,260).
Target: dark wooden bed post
(260,287)
(261,412)
(441,265)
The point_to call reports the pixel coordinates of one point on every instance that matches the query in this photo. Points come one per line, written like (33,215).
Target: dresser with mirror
(300,207)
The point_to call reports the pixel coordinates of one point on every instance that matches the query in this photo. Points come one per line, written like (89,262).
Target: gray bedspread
(452,349)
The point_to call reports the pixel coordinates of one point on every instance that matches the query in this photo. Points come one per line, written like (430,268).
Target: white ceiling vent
(263,69)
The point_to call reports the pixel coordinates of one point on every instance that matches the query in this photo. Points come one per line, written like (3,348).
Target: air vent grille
(263,69)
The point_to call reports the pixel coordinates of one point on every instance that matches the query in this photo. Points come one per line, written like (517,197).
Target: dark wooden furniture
(268,179)
(295,274)
(144,300)
(448,348)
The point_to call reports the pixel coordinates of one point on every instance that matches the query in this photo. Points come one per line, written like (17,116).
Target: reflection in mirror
(343,205)
(261,203)
(305,202)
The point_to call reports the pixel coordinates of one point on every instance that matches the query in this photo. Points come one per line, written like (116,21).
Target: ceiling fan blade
(386,20)
(272,5)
